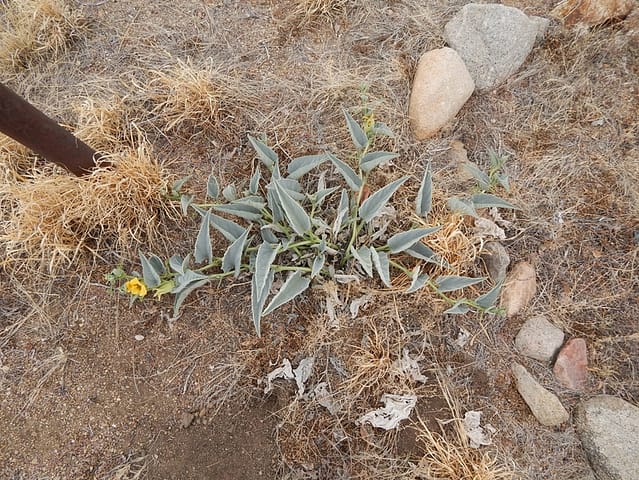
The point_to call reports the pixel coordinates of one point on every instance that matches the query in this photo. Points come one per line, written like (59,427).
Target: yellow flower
(135,286)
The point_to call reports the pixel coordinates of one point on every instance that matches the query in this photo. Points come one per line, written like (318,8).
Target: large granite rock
(493,40)
(609,431)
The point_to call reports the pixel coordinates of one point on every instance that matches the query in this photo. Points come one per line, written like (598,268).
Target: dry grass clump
(50,218)
(106,123)
(304,12)
(194,99)
(33,29)
(448,455)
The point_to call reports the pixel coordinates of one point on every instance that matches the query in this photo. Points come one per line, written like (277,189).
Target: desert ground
(96,386)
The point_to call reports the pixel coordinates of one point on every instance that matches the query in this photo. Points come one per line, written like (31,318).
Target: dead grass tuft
(448,454)
(31,30)
(304,12)
(50,218)
(106,123)
(193,99)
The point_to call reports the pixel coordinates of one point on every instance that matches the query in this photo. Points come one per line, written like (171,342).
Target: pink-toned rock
(441,86)
(571,366)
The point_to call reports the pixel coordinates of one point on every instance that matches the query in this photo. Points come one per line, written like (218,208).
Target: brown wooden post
(26,124)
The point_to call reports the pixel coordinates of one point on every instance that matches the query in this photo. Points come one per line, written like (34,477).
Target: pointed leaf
(383,129)
(303,165)
(318,264)
(231,230)
(293,188)
(380,260)
(296,216)
(150,275)
(421,251)
(229,192)
(294,285)
(203,248)
(342,211)
(187,278)
(360,140)
(175,262)
(240,210)
(448,283)
(352,179)
(254,185)
(458,309)
(424,200)
(185,284)
(267,234)
(486,200)
(321,195)
(482,179)
(489,298)
(178,184)
(419,280)
(212,187)
(266,254)
(233,255)
(373,204)
(267,156)
(465,207)
(403,240)
(503,181)
(158,264)
(363,256)
(373,159)
(273,201)
(258,299)
(185,201)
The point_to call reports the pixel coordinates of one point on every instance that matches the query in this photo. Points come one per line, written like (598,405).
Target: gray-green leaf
(150,275)
(175,262)
(419,280)
(424,200)
(318,264)
(382,265)
(458,309)
(448,283)
(255,181)
(258,299)
(465,207)
(482,179)
(297,217)
(203,247)
(266,254)
(489,298)
(303,165)
(486,200)
(294,285)
(212,187)
(229,192)
(360,140)
(185,201)
(183,293)
(352,179)
(373,204)
(233,255)
(342,211)
(241,210)
(231,230)
(403,240)
(267,156)
(373,159)
(363,256)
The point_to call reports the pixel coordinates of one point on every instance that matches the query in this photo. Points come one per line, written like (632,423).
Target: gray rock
(544,405)
(441,86)
(496,259)
(609,431)
(493,40)
(539,339)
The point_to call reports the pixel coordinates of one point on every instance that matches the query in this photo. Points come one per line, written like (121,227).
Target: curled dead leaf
(519,289)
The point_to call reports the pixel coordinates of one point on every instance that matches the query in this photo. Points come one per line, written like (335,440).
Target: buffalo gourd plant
(293,231)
